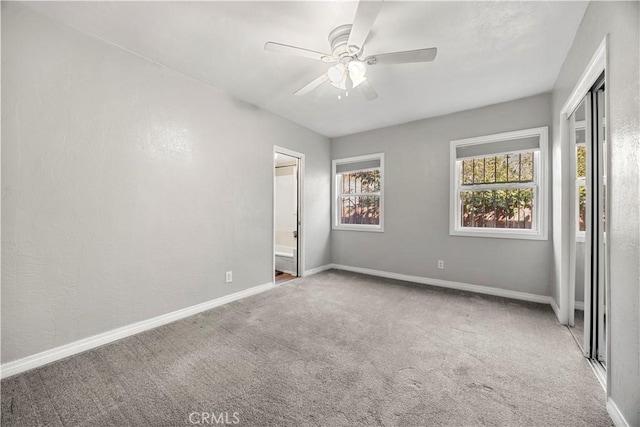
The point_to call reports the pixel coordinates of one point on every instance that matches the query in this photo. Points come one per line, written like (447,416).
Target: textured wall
(621,21)
(128,189)
(416,232)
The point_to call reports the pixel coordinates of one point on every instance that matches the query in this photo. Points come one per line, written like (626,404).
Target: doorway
(590,263)
(287,230)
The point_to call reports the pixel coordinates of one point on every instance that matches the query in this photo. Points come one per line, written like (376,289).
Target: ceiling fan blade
(293,50)
(367,90)
(365,16)
(418,55)
(311,86)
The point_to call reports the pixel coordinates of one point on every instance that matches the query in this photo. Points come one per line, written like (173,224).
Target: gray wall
(128,189)
(416,213)
(621,20)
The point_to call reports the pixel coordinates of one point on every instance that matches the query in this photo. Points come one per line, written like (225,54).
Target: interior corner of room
(174,173)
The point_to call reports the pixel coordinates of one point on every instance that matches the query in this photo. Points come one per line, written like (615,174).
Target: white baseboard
(48,356)
(449,284)
(317,270)
(578,305)
(615,414)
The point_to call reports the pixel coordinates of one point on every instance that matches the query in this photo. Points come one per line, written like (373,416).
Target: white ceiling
(488,52)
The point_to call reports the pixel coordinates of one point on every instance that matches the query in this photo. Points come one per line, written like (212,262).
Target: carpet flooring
(333,349)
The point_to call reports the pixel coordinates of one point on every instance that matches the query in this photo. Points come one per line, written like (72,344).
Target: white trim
(598,371)
(615,414)
(334,194)
(504,136)
(506,293)
(301,228)
(499,233)
(595,67)
(357,159)
(363,227)
(30,362)
(562,240)
(579,305)
(541,191)
(318,270)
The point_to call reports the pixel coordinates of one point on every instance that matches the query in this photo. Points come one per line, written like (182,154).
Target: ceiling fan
(347,54)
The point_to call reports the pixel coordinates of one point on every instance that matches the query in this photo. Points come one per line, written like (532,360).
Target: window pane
(582,208)
(526,164)
(501,168)
(497,208)
(467,172)
(490,170)
(581,161)
(513,167)
(361,182)
(505,168)
(360,210)
(478,171)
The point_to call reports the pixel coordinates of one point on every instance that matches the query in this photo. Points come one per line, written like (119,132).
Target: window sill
(374,229)
(499,234)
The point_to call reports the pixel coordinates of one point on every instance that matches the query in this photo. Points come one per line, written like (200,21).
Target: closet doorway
(287,232)
(590,255)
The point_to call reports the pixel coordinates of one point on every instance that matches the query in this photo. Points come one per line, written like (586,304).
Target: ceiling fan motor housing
(338,39)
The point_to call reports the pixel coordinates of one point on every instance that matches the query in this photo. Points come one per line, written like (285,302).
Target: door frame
(595,205)
(300,253)
(593,71)
(596,67)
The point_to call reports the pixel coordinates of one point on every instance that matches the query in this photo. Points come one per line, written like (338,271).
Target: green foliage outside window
(498,208)
(361,208)
(581,172)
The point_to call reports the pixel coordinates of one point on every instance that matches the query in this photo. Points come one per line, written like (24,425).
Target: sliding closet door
(599,224)
(596,259)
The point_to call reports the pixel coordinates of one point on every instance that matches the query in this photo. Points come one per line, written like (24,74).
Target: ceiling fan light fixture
(347,43)
(348,83)
(336,73)
(357,70)
(358,80)
(343,83)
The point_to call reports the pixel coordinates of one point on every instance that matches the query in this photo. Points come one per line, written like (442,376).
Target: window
(498,185)
(358,193)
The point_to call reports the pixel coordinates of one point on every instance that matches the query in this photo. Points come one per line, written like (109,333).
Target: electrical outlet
(441,264)
(229,276)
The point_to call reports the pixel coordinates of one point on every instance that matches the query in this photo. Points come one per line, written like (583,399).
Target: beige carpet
(332,349)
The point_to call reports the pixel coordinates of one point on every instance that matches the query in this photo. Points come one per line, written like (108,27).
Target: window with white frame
(358,193)
(498,185)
